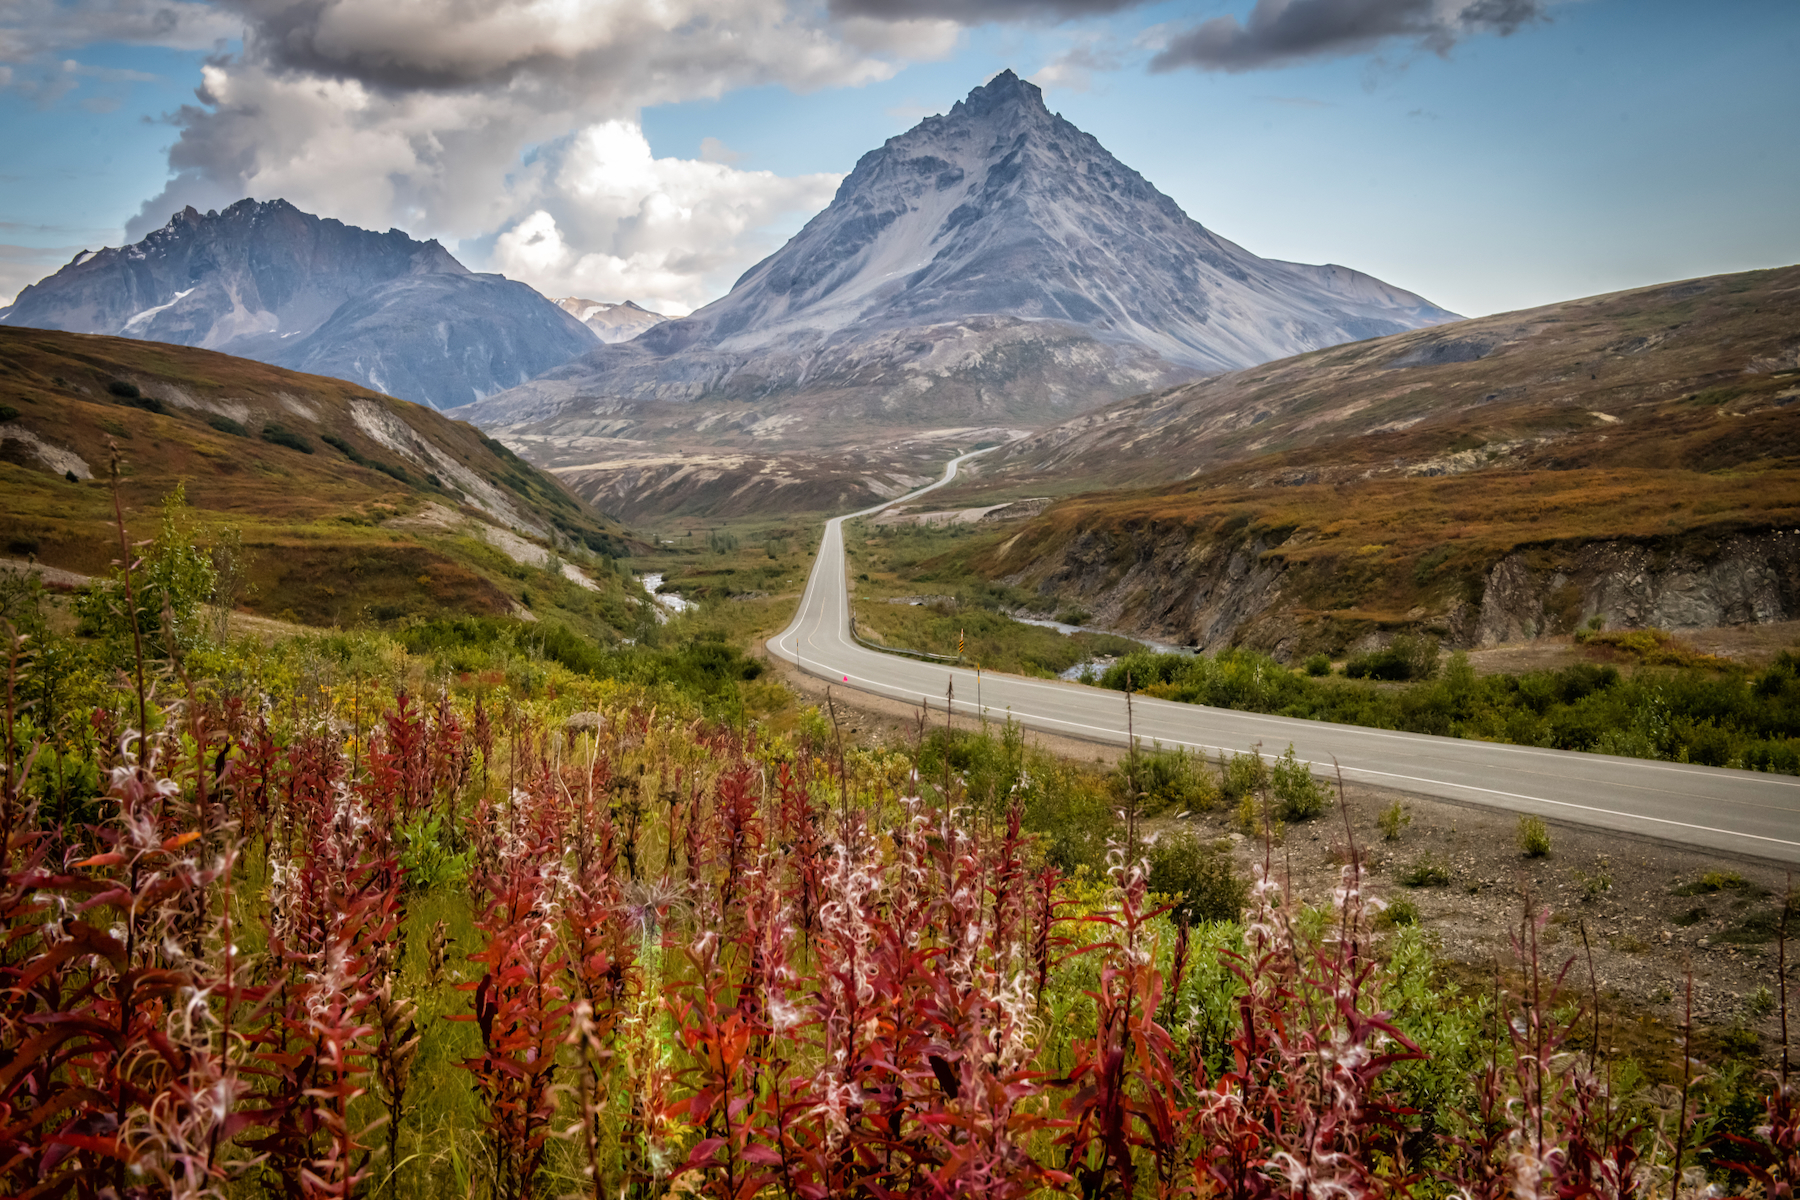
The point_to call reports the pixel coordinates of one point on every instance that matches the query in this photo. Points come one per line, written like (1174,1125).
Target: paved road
(1743,812)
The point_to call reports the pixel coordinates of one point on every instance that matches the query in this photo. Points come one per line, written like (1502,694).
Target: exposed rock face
(1746,580)
(611,322)
(994,260)
(269,282)
(1214,591)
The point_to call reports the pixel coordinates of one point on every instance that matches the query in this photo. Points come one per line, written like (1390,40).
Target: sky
(1487,154)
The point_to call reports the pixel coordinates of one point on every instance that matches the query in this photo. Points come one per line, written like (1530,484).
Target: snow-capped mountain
(611,322)
(269,282)
(992,263)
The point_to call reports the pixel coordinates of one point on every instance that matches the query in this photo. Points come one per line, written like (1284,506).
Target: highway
(1741,812)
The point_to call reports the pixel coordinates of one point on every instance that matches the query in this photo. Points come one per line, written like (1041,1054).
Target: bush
(1406,658)
(124,389)
(1534,837)
(1199,875)
(227,425)
(282,436)
(1393,822)
(426,858)
(147,403)
(1299,795)
(1397,912)
(1318,664)
(1426,871)
(8,412)
(1243,775)
(393,471)
(1168,779)
(345,448)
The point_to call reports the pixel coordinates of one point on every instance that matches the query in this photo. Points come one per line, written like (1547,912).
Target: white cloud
(30,28)
(1073,70)
(466,121)
(615,222)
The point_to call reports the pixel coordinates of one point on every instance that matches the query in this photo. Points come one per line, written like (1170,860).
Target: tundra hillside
(1630,457)
(337,505)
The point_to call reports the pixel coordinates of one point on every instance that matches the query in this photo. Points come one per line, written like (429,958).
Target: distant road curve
(1742,812)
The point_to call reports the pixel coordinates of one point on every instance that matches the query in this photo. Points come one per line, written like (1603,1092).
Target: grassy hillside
(352,506)
(1547,387)
(1594,445)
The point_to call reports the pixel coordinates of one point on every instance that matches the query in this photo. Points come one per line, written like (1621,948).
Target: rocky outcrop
(1687,584)
(1213,590)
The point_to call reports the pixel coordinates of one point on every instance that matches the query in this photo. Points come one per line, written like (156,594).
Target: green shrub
(1426,871)
(1074,616)
(1534,837)
(8,412)
(1397,912)
(1318,664)
(1393,822)
(1713,881)
(1168,780)
(226,425)
(1406,658)
(394,471)
(426,859)
(1243,775)
(282,436)
(345,448)
(1199,876)
(124,389)
(1299,796)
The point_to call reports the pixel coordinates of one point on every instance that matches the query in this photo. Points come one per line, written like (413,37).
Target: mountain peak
(1004,89)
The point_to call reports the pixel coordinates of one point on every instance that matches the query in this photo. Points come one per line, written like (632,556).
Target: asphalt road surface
(1743,812)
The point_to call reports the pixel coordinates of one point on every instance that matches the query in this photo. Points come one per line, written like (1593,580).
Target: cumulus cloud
(1282,33)
(31,28)
(978,12)
(615,222)
(470,122)
(1073,69)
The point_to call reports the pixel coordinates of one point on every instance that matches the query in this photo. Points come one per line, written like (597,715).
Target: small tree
(175,577)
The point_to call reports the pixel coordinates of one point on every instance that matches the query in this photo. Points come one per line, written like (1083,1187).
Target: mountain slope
(354,505)
(269,282)
(1507,390)
(1634,456)
(611,322)
(992,263)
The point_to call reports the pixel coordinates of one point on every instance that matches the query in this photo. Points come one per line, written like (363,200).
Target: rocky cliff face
(269,282)
(1213,590)
(997,259)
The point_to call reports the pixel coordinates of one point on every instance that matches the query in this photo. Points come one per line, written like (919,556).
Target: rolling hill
(354,506)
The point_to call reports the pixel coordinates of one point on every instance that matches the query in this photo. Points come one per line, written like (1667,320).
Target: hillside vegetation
(1632,457)
(348,506)
(371,915)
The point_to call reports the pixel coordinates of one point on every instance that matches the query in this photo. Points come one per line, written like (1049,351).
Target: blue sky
(1608,145)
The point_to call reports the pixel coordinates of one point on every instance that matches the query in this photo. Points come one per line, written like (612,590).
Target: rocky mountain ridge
(611,322)
(266,281)
(991,263)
